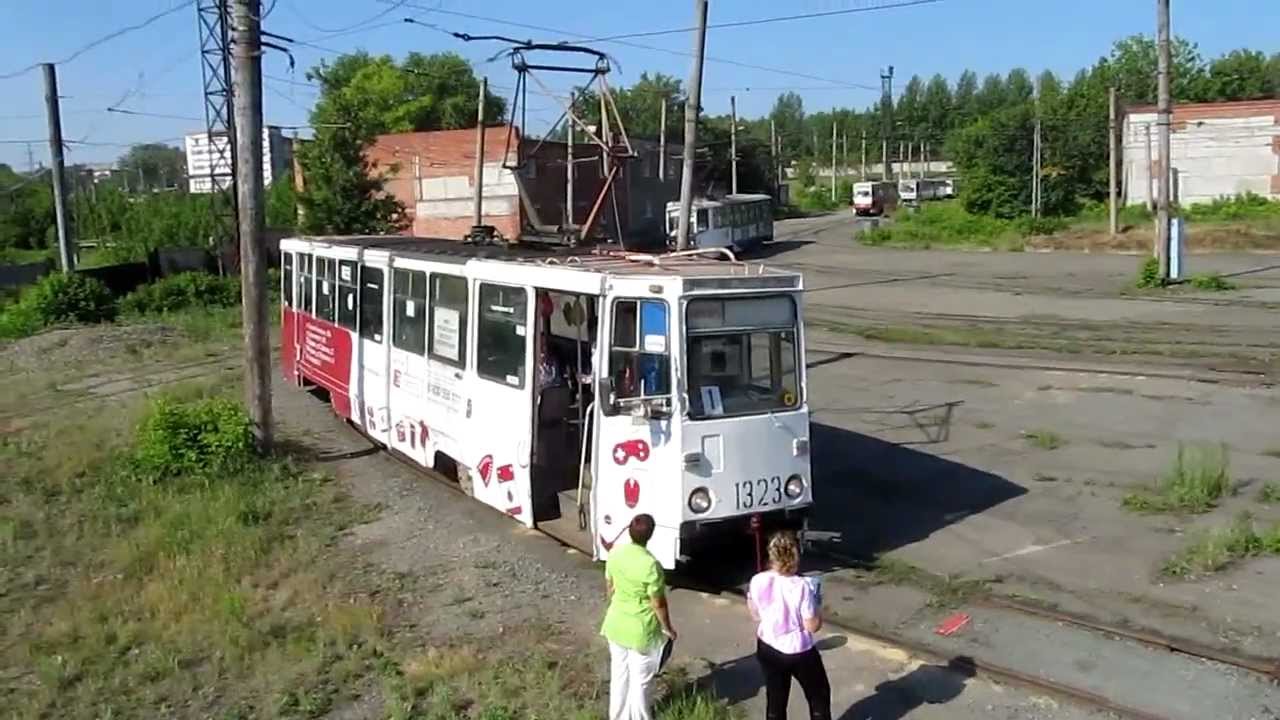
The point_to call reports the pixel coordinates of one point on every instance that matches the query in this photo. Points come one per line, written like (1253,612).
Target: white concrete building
(277,159)
(1217,149)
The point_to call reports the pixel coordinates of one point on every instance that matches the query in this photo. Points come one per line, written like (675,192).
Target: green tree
(991,97)
(282,204)
(993,156)
(789,120)
(964,100)
(425,92)
(26,209)
(1048,86)
(154,165)
(1273,75)
(1133,67)
(1018,87)
(640,106)
(1239,75)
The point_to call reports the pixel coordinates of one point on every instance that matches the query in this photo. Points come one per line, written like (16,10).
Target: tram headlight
(700,501)
(794,487)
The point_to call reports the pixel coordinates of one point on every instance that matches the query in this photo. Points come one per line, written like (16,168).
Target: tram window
(371,303)
(306,282)
(347,310)
(502,331)
(286,279)
(448,339)
(409,310)
(325,289)
(703,219)
(639,355)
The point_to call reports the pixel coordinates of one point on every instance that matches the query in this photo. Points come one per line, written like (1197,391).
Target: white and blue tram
(738,222)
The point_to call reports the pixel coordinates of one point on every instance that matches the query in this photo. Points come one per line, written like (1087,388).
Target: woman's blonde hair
(784,552)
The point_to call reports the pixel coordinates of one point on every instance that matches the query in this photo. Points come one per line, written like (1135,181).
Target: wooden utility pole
(662,141)
(246,79)
(477,204)
(733,142)
(53,110)
(1163,118)
(863,174)
(691,124)
(1112,211)
(833,161)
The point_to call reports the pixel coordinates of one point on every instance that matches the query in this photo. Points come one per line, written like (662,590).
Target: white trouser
(631,675)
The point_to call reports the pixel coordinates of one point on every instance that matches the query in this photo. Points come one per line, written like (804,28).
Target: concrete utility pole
(833,161)
(53,109)
(477,208)
(911,158)
(691,124)
(1035,171)
(246,78)
(886,118)
(662,141)
(844,151)
(884,159)
(733,141)
(863,174)
(568,178)
(902,154)
(1163,118)
(1113,216)
(773,152)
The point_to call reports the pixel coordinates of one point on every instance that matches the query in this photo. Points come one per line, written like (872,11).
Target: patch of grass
(1122,445)
(946,224)
(945,591)
(1211,282)
(1105,389)
(1044,439)
(1272,453)
(984,425)
(1199,477)
(130,594)
(1269,493)
(1220,548)
(1249,206)
(479,682)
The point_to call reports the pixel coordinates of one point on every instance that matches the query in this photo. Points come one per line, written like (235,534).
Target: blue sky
(158,66)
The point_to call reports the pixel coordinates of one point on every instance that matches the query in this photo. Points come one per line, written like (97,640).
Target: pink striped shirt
(783,603)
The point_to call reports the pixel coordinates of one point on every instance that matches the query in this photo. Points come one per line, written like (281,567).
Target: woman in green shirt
(636,624)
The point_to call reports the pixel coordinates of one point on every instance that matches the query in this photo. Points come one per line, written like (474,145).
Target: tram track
(1269,669)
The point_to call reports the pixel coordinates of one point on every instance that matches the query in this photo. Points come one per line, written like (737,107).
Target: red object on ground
(952,624)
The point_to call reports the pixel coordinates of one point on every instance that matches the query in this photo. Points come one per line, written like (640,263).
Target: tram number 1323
(759,493)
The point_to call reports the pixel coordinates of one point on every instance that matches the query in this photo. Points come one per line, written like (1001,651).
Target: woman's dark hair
(641,529)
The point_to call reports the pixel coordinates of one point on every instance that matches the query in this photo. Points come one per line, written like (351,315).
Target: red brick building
(433,174)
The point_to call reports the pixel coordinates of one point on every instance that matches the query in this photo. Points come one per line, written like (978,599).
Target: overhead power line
(105,38)
(627,43)
(770,20)
(143,113)
(396,5)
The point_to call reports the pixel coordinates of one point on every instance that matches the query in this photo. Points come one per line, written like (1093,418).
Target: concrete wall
(1216,149)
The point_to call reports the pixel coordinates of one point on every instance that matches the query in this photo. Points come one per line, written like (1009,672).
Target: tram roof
(598,259)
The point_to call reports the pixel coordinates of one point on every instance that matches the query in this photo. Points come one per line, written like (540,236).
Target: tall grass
(136,594)
(945,224)
(1199,477)
(1220,548)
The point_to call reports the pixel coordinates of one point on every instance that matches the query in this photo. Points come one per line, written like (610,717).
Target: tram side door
(500,401)
(636,463)
(372,378)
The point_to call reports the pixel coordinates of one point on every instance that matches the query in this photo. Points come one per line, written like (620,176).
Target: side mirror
(605,397)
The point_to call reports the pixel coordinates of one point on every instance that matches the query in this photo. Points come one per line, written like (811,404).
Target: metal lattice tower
(215,65)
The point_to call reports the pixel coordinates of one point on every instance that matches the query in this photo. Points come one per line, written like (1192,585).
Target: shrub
(1248,206)
(57,298)
(1212,282)
(182,291)
(1149,274)
(191,438)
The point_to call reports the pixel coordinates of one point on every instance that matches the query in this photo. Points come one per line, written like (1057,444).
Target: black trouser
(807,668)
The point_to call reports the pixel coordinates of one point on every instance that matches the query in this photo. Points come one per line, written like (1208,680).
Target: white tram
(738,222)
(572,392)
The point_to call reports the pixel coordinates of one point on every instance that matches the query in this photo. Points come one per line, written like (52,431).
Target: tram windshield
(742,356)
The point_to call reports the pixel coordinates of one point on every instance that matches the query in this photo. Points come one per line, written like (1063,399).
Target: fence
(120,278)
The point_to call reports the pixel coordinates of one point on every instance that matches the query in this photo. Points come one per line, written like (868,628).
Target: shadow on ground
(880,496)
(739,680)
